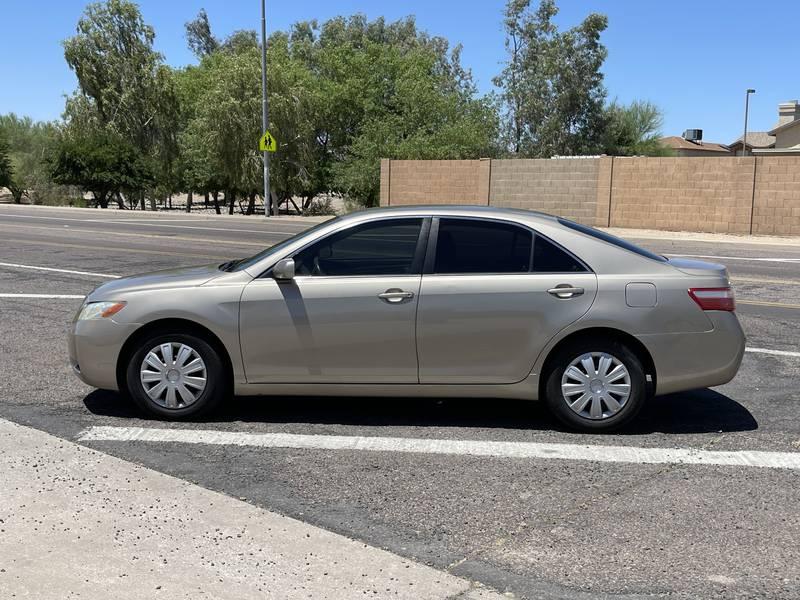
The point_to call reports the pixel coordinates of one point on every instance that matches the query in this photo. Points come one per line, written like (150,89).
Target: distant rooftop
(678,143)
(757,139)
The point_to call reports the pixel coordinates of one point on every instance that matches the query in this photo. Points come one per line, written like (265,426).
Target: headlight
(100,310)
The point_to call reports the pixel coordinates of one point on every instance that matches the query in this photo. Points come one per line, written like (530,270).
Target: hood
(698,267)
(171,278)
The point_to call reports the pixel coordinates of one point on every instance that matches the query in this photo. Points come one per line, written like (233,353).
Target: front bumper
(94,348)
(687,361)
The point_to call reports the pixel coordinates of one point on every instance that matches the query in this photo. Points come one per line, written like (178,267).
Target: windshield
(244,263)
(607,237)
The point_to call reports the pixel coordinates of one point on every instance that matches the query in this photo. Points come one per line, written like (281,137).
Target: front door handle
(565,291)
(395,295)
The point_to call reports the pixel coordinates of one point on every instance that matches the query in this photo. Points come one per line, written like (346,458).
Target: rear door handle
(565,291)
(395,295)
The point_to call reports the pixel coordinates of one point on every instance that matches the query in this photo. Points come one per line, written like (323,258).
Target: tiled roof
(757,139)
(678,143)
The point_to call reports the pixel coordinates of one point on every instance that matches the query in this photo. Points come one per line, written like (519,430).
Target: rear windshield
(607,237)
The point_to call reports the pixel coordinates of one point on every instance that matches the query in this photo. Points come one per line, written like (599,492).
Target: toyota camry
(419,301)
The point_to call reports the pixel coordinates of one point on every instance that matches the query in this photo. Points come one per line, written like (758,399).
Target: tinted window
(472,246)
(606,237)
(383,248)
(549,258)
(244,263)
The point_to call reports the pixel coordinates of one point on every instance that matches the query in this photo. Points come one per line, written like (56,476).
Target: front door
(349,314)
(488,303)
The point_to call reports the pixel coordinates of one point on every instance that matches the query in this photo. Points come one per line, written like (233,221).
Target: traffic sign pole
(265,107)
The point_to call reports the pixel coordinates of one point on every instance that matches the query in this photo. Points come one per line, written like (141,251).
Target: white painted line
(775,352)
(755,259)
(611,454)
(71,272)
(45,296)
(133,221)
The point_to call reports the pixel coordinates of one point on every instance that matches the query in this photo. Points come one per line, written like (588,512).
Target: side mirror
(283,270)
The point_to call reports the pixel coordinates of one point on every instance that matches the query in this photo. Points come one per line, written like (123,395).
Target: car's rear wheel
(176,376)
(595,385)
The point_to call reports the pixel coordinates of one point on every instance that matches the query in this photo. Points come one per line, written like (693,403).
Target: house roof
(777,128)
(678,143)
(756,139)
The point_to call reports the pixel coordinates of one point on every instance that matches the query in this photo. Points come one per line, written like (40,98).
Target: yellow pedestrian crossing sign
(267,143)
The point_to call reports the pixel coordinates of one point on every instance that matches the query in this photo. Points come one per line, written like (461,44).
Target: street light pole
(264,105)
(746,110)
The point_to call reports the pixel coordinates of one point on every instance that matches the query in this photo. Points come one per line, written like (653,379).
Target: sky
(693,58)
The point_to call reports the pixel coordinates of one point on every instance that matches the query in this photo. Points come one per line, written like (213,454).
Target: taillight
(713,298)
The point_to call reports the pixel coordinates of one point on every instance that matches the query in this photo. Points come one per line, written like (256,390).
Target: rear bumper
(686,361)
(94,348)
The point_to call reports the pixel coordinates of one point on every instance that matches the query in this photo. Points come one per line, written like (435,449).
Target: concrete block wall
(435,182)
(683,194)
(566,187)
(776,201)
(739,195)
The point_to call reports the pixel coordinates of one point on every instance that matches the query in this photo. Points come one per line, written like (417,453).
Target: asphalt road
(538,528)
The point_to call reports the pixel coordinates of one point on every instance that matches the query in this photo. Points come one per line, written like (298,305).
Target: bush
(321,207)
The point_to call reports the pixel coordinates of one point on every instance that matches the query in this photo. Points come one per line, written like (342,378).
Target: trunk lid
(699,268)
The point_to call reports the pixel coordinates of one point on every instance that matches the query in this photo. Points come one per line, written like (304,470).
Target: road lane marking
(71,272)
(45,296)
(122,249)
(149,236)
(774,352)
(759,280)
(767,303)
(756,259)
(134,221)
(610,454)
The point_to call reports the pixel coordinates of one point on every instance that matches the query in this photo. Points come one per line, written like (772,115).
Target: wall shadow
(701,411)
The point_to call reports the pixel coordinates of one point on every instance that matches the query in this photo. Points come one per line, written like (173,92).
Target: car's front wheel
(596,386)
(176,376)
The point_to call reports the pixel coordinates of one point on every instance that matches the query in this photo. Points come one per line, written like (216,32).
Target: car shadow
(700,411)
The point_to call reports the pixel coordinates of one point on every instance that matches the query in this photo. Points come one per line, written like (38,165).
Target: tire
(607,407)
(189,397)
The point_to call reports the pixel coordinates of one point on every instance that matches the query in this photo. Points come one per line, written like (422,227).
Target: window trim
(416,263)
(433,238)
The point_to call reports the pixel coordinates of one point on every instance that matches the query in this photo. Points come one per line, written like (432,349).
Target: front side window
(382,248)
(474,246)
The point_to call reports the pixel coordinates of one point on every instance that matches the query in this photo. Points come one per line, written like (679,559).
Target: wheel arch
(605,334)
(171,325)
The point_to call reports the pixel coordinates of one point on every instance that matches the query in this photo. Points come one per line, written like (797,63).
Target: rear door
(489,300)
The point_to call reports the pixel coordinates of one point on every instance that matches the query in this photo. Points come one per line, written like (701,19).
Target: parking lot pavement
(573,526)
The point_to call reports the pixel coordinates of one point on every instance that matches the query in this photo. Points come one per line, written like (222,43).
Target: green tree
(28,144)
(634,130)
(6,170)
(124,87)
(100,162)
(199,37)
(551,87)
(389,90)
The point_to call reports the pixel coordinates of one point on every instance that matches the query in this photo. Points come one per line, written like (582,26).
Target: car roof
(452,210)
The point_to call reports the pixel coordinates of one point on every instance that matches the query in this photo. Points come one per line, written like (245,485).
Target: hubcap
(596,385)
(173,375)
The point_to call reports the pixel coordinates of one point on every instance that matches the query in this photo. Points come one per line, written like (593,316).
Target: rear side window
(549,258)
(474,246)
(607,237)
